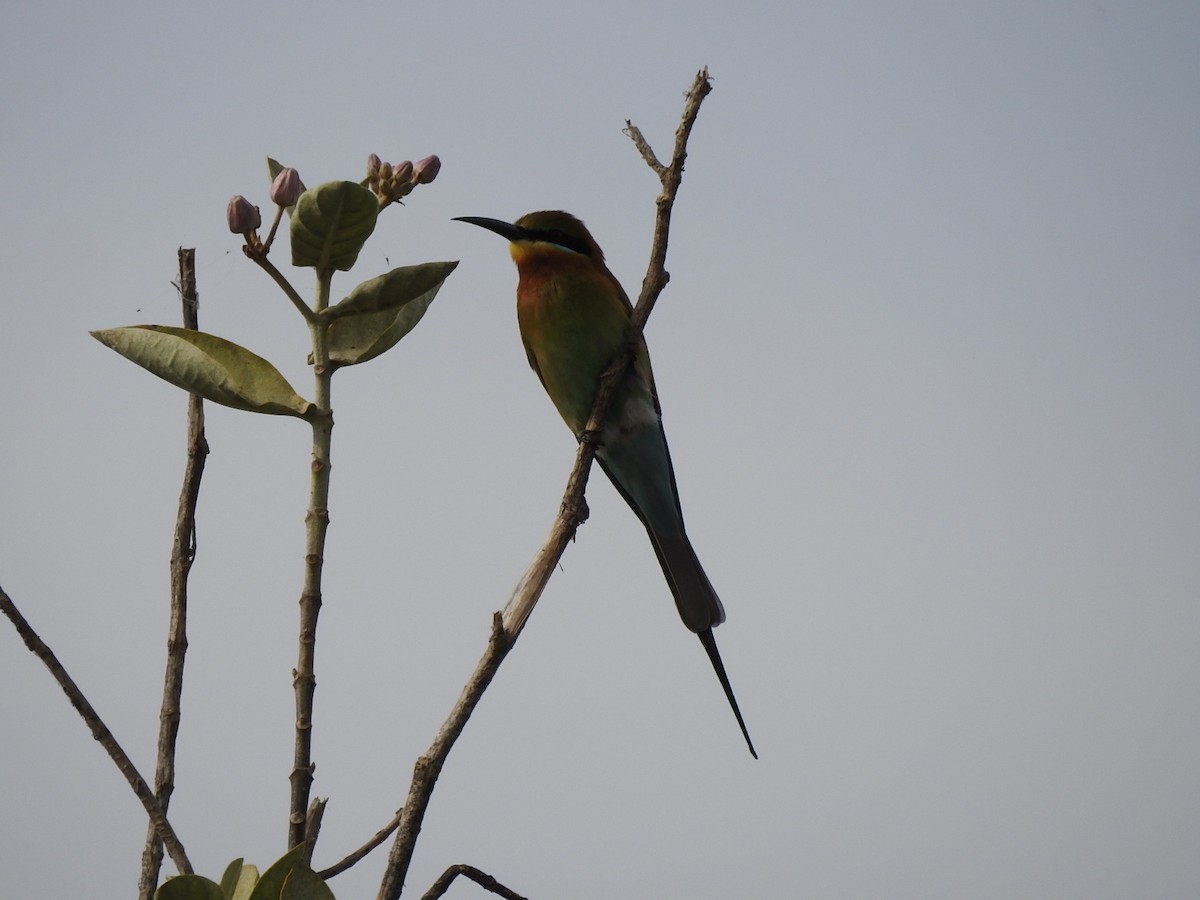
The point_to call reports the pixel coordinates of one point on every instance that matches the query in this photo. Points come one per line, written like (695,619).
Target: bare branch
(483,879)
(99,731)
(183,552)
(572,512)
(429,766)
(376,839)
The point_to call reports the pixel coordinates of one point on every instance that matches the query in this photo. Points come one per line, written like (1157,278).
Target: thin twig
(376,839)
(312,828)
(483,879)
(572,513)
(183,552)
(643,147)
(99,731)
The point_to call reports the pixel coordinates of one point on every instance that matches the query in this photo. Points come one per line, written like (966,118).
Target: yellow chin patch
(539,251)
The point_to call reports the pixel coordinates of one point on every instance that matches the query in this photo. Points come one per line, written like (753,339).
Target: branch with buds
(329,225)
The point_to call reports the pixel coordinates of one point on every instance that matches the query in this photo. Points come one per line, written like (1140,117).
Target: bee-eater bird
(574,320)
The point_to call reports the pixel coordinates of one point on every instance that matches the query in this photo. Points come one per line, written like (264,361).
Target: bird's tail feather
(656,502)
(697,601)
(714,656)
(699,607)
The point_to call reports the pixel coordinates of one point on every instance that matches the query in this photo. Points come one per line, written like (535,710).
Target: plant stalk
(316,524)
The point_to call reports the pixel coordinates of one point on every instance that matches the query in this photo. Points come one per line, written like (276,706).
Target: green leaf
(189,887)
(291,879)
(274,167)
(238,881)
(229,880)
(270,886)
(305,884)
(379,312)
(331,223)
(216,369)
(393,289)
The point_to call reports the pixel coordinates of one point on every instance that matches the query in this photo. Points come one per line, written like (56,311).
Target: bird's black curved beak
(499,226)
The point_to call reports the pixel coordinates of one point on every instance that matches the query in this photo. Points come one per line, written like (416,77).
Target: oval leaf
(331,223)
(233,872)
(359,336)
(189,887)
(238,881)
(270,886)
(393,289)
(305,884)
(216,369)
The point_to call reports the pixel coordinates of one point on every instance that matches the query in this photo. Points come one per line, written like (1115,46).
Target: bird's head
(547,231)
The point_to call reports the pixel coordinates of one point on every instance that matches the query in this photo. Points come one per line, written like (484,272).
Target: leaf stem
(286,286)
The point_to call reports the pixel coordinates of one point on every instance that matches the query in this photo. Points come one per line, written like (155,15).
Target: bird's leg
(590,436)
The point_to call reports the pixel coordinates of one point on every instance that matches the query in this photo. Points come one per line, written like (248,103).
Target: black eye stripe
(560,237)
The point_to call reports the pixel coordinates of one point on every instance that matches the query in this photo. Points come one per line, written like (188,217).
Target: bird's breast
(573,325)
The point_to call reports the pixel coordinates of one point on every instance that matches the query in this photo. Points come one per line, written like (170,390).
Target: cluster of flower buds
(391,182)
(245,219)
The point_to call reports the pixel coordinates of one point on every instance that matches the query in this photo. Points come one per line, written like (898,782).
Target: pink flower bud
(286,188)
(242,215)
(373,164)
(402,173)
(426,170)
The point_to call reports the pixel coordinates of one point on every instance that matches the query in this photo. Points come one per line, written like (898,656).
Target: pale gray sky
(929,370)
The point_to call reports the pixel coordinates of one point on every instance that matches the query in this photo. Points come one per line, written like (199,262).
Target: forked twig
(351,858)
(483,879)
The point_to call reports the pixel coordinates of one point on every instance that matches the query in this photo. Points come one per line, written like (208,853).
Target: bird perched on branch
(574,319)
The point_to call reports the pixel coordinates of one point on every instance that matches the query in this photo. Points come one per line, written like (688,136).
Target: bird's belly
(570,342)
